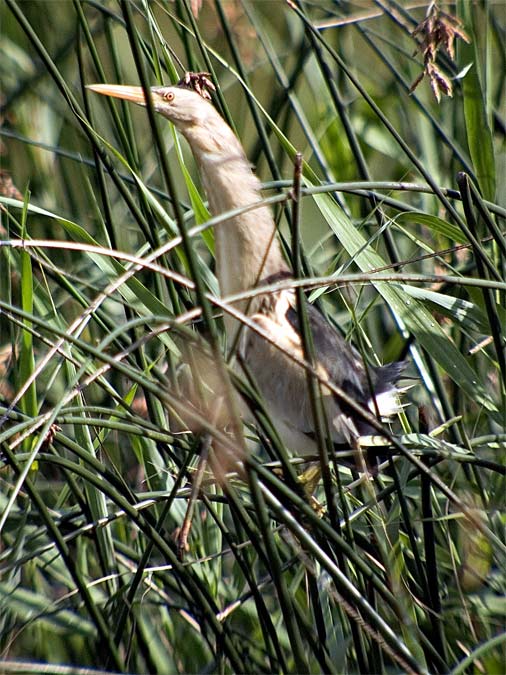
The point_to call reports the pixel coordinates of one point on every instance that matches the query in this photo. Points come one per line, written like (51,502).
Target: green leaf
(462,311)
(77,232)
(436,224)
(200,210)
(133,291)
(479,136)
(28,401)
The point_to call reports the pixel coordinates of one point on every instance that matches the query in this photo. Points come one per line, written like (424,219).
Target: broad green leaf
(205,272)
(77,232)
(436,224)
(199,208)
(462,311)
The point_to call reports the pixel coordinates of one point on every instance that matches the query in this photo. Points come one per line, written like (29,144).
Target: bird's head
(193,115)
(183,107)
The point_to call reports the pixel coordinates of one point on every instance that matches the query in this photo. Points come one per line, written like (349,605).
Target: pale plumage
(247,254)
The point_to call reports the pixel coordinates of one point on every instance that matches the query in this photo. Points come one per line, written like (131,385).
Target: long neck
(247,249)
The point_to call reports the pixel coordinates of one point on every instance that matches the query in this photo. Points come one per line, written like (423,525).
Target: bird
(248,256)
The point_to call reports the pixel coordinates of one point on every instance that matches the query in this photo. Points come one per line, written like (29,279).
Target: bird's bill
(126,92)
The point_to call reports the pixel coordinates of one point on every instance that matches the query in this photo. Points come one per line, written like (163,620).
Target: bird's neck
(247,248)
(246,245)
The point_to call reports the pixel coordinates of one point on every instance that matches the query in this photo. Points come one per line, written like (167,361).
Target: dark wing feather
(338,357)
(343,362)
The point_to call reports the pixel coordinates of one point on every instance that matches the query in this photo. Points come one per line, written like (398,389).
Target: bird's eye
(169,96)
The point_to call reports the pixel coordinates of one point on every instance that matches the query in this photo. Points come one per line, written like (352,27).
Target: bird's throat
(247,248)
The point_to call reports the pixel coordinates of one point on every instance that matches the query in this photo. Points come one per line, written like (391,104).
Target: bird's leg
(184,532)
(309,479)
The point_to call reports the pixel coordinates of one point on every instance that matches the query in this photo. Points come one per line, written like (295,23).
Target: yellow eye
(169,96)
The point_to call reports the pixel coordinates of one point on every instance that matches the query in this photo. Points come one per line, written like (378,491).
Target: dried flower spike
(438,30)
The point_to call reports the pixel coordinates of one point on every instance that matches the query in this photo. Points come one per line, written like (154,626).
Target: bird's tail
(386,392)
(389,375)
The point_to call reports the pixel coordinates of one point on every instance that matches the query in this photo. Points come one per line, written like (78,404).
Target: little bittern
(248,254)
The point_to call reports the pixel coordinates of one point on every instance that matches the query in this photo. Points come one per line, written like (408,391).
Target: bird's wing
(337,357)
(373,387)
(283,383)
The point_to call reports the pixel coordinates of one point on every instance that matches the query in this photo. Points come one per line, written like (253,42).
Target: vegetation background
(403,218)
